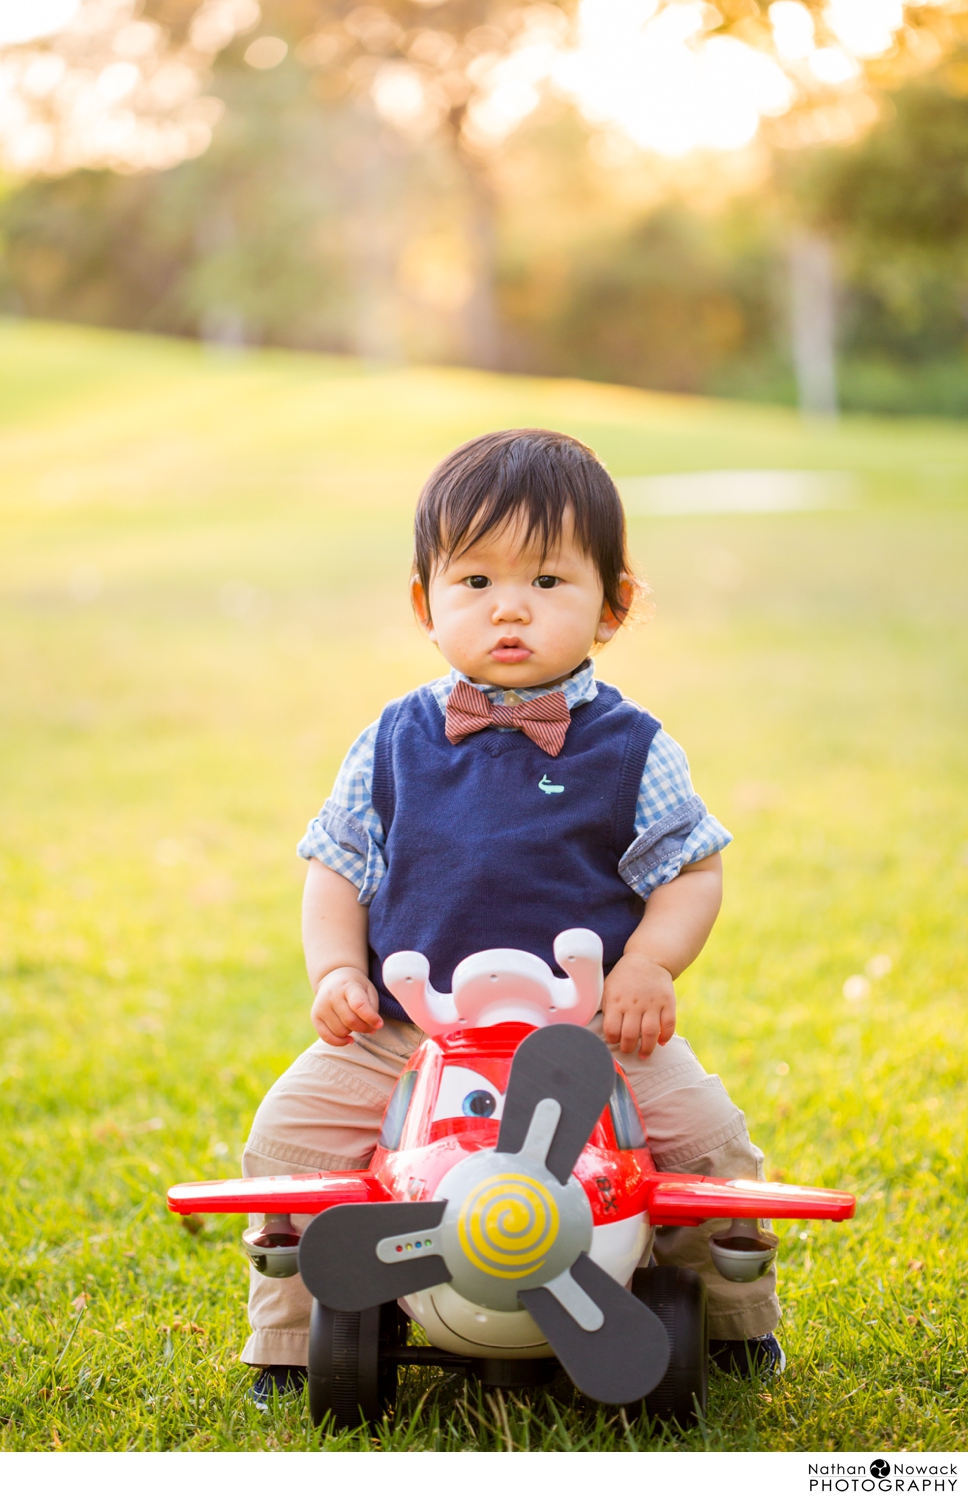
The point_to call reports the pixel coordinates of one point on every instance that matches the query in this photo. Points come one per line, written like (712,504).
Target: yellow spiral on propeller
(507,1225)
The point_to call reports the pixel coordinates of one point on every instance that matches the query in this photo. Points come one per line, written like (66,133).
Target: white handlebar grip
(579,952)
(407,977)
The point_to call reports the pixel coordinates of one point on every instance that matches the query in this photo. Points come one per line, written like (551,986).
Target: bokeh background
(667,193)
(260,267)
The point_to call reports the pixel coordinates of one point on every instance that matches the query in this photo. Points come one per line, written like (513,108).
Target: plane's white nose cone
(508,1225)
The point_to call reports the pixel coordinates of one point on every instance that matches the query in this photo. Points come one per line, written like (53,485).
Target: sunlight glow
(833,65)
(20,22)
(510,84)
(93,84)
(651,71)
(652,74)
(865,27)
(266,52)
(793,30)
(399,96)
(96,83)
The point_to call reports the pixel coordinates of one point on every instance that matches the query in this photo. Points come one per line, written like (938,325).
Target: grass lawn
(202,600)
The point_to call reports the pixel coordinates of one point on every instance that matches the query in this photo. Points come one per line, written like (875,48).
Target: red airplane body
(620,1181)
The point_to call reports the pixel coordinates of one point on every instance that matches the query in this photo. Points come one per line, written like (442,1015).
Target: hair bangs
(468,518)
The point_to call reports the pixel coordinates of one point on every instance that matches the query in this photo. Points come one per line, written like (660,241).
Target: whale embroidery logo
(549,786)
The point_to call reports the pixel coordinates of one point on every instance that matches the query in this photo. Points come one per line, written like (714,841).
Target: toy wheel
(678,1298)
(349,1379)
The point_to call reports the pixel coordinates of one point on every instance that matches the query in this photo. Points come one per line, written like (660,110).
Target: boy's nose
(510,607)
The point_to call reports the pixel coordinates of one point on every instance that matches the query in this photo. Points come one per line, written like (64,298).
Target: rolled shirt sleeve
(346,834)
(672,826)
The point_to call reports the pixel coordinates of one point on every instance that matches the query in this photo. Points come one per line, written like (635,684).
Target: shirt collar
(580,687)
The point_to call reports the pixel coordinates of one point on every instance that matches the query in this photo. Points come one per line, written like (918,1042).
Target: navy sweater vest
(492,843)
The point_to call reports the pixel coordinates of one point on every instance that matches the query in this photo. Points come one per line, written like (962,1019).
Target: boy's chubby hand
(638,1005)
(345,1002)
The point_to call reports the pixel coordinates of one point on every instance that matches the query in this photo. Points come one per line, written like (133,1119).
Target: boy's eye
(546,581)
(477,581)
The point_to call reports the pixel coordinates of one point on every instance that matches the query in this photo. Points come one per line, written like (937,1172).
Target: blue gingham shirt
(672,827)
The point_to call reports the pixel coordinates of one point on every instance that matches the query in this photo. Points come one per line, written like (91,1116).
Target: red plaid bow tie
(544,720)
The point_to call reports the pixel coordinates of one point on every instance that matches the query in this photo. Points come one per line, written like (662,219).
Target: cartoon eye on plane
(508,1208)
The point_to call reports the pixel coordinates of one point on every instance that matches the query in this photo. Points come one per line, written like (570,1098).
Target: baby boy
(493,808)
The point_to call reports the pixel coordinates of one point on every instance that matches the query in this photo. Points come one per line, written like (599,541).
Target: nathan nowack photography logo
(883,1475)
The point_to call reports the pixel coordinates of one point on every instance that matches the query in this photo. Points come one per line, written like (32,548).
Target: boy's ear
(610,622)
(421,606)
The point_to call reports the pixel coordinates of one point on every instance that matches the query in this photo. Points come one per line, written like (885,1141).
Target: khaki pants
(324,1114)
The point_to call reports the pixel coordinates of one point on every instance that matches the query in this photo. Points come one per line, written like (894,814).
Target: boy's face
(503,613)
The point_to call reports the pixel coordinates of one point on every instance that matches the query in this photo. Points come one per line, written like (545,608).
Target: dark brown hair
(528,472)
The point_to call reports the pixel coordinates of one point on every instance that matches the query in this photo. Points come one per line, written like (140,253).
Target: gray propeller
(570,1065)
(339,1257)
(619,1360)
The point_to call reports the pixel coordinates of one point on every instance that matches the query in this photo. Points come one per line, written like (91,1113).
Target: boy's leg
(694,1126)
(323,1115)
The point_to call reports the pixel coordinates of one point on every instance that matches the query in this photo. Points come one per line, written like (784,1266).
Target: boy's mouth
(509,650)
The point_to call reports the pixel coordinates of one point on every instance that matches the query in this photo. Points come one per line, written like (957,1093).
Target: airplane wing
(690,1200)
(307,1193)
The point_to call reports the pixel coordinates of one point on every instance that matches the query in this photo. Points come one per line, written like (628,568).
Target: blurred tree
(74,249)
(246,243)
(906,183)
(121,86)
(672,302)
(895,204)
(113,87)
(434,71)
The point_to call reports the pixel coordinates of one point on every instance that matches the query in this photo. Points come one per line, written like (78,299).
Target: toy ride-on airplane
(508,1208)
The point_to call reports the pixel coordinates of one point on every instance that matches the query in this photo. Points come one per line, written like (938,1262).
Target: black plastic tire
(678,1298)
(348,1378)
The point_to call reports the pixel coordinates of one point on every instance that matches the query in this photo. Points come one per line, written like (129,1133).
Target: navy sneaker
(277,1380)
(747,1357)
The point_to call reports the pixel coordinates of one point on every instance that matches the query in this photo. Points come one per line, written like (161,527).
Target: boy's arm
(335,929)
(639,1000)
